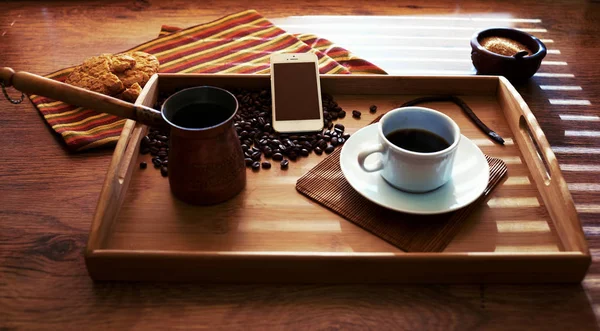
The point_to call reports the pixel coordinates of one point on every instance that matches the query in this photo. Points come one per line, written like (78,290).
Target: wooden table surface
(48,196)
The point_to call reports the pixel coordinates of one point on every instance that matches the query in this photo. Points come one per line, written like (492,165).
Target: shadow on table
(379,307)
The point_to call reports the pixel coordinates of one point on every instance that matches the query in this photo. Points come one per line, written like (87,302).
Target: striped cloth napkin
(238,43)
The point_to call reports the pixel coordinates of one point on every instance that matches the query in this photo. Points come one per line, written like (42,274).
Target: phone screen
(296,92)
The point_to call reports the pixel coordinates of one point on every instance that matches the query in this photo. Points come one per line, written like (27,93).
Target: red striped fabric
(237,43)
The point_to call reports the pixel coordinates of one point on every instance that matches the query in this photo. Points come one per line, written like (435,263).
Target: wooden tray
(528,231)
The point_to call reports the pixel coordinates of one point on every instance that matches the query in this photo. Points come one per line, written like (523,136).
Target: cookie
(121,62)
(146,65)
(95,74)
(120,75)
(131,93)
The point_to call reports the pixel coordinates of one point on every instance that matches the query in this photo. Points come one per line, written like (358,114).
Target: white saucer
(470,175)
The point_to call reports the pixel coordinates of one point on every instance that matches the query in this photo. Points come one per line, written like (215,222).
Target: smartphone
(296,92)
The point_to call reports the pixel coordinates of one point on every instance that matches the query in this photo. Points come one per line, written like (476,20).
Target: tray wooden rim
(565,218)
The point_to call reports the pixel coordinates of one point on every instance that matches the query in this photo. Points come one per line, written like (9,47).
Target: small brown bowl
(515,69)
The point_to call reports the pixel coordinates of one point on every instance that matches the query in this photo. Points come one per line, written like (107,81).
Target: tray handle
(542,163)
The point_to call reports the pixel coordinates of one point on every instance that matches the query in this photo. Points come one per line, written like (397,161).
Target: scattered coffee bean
(373,108)
(329,149)
(257,138)
(266,165)
(341,141)
(356,114)
(346,136)
(334,141)
(143,165)
(255,165)
(284,164)
(164,171)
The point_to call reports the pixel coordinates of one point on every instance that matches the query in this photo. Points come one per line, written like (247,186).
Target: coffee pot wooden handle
(33,84)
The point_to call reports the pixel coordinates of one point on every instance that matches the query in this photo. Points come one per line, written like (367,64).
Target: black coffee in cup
(417,140)
(200,115)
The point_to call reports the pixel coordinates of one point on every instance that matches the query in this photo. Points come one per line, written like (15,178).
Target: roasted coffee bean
(164,171)
(346,136)
(256,165)
(253,126)
(292,156)
(157,164)
(165,163)
(268,152)
(248,161)
(335,134)
(143,165)
(334,141)
(266,165)
(356,114)
(373,108)
(339,127)
(341,141)
(327,138)
(284,164)
(318,150)
(329,149)
(326,133)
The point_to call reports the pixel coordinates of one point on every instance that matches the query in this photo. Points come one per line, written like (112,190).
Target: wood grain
(48,196)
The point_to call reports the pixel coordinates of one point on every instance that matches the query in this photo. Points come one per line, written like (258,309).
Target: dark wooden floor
(48,196)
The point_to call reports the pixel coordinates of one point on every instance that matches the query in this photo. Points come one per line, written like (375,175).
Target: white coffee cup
(408,170)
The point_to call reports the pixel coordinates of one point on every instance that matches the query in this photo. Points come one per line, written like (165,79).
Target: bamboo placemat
(325,184)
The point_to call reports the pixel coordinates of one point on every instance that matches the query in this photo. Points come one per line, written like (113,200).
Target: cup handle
(362,155)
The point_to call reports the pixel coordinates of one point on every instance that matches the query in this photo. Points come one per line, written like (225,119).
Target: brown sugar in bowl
(516,68)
